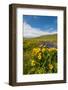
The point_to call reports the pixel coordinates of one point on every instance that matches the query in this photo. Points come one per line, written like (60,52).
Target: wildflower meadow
(40,55)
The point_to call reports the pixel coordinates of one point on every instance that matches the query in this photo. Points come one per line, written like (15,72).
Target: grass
(39,66)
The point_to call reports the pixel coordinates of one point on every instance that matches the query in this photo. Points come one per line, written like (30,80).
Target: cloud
(30,32)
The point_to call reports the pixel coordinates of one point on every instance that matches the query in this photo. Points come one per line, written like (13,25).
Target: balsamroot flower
(43,50)
(35,51)
(50,66)
(33,62)
(39,56)
(52,49)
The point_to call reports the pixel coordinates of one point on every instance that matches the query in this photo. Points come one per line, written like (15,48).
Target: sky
(35,26)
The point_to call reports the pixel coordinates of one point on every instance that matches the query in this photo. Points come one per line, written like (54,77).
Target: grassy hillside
(29,44)
(44,38)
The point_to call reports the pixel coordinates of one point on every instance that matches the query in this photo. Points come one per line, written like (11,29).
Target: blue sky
(39,25)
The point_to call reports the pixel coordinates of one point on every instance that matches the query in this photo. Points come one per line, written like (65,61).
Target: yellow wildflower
(50,66)
(39,56)
(33,63)
(52,49)
(43,50)
(35,51)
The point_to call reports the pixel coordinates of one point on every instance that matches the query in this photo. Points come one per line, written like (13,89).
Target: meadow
(40,55)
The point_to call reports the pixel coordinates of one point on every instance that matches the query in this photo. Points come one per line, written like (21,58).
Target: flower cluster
(44,60)
(35,51)
(52,49)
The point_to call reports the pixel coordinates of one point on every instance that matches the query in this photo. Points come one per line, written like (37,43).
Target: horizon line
(39,35)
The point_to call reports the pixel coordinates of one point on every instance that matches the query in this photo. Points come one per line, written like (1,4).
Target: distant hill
(48,36)
(44,38)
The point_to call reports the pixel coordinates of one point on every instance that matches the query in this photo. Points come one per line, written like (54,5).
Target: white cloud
(34,32)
